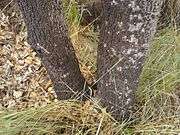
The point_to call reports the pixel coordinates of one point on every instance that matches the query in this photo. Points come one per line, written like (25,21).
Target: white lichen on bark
(126,33)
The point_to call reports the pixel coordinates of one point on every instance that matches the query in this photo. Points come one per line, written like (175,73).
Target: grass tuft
(157,110)
(65,117)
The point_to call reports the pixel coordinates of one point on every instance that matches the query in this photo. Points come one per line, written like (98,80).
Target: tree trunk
(170,13)
(48,36)
(127,29)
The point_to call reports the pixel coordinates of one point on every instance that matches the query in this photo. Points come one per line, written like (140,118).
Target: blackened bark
(48,36)
(127,28)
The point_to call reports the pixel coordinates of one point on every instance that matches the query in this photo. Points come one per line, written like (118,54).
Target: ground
(28,103)
(25,82)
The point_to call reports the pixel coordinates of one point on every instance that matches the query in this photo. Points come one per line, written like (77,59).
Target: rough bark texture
(127,28)
(170,13)
(48,36)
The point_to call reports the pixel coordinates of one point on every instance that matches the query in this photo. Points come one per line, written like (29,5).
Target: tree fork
(48,36)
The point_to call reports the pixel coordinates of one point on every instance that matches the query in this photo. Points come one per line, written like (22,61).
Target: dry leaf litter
(23,80)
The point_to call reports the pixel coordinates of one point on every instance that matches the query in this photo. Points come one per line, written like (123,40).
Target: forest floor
(28,104)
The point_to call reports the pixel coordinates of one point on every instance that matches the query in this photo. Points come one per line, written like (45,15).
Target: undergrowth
(157,108)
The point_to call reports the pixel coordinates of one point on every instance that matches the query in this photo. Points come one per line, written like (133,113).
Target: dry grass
(65,117)
(157,110)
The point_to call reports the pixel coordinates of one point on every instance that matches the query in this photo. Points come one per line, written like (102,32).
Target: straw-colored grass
(157,108)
